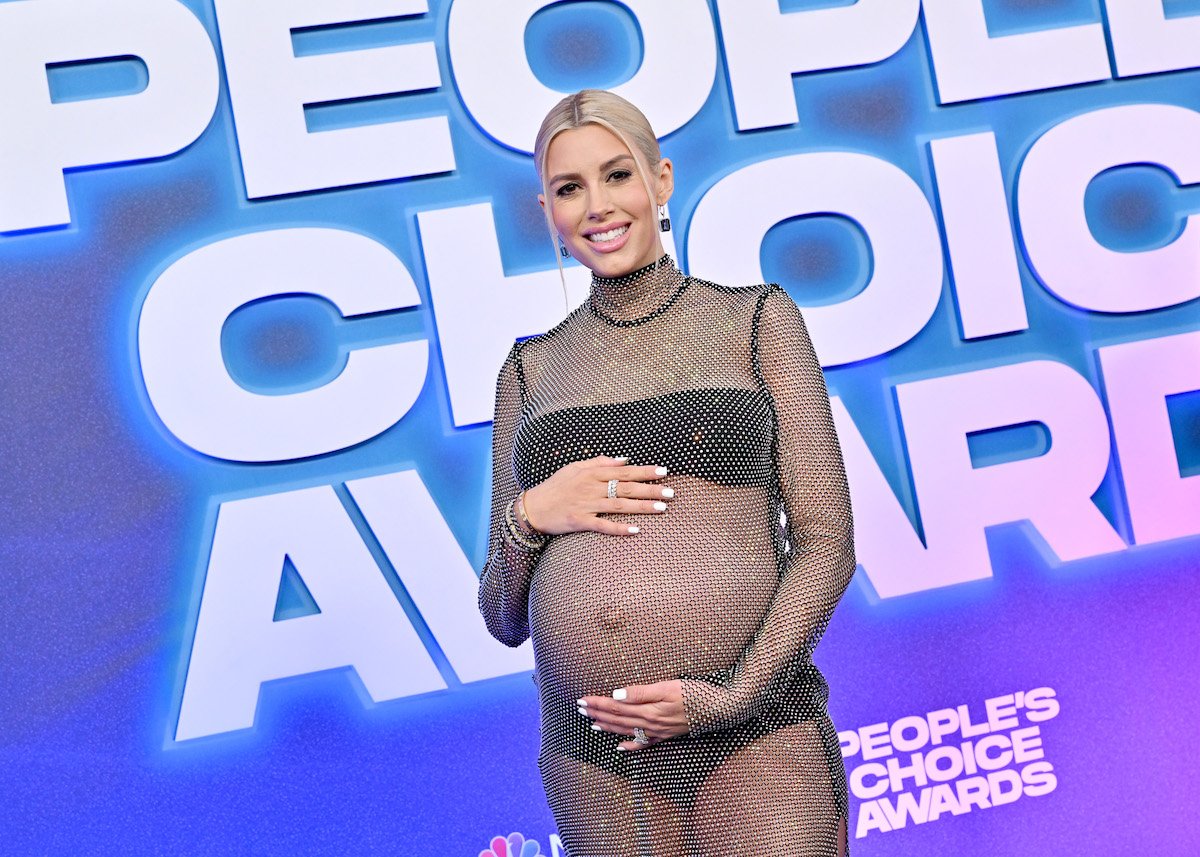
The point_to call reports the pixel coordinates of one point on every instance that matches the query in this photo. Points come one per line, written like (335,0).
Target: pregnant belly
(681,597)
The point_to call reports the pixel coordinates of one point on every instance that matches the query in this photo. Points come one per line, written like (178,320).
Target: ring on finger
(639,735)
(612,489)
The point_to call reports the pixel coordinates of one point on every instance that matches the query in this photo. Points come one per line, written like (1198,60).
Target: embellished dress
(729,590)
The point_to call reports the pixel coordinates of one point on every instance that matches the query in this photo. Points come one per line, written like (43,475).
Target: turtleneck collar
(638,296)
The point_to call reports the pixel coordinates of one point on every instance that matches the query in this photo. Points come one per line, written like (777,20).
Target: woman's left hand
(655,708)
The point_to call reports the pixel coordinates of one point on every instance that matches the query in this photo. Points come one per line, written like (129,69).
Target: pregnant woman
(643,452)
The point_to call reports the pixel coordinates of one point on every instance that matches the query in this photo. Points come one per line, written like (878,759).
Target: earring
(664,222)
(562,248)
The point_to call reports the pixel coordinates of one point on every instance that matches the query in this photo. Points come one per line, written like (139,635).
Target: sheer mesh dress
(721,386)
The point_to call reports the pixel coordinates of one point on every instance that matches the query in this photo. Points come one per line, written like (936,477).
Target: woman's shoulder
(741,290)
(532,347)
(745,298)
(766,310)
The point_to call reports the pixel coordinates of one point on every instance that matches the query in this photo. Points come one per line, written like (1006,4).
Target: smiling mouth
(610,235)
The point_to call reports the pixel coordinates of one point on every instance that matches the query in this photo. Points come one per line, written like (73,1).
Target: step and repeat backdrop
(260,263)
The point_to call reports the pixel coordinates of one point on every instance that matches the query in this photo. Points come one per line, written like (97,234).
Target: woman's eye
(619,175)
(566,189)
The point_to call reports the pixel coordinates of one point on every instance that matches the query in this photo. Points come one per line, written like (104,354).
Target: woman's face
(598,201)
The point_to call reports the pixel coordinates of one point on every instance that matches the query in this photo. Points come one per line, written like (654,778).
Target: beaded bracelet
(521,540)
(531,543)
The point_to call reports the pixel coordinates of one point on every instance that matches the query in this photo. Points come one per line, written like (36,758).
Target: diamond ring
(639,735)
(612,488)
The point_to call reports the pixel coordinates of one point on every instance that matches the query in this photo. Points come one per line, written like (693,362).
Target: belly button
(613,617)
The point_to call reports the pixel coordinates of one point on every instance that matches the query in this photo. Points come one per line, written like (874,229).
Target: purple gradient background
(106,521)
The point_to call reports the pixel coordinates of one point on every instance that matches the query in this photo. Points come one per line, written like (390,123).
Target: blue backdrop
(109,518)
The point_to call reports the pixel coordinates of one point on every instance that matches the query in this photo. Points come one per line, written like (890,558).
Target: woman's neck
(639,295)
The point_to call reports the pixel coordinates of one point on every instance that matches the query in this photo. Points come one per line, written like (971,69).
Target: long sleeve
(504,582)
(819,550)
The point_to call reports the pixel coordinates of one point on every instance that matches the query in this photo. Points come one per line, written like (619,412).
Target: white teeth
(609,235)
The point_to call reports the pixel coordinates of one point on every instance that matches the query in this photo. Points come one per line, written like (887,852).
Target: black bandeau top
(722,434)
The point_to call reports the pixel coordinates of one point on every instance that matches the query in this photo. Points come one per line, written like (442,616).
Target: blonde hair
(610,111)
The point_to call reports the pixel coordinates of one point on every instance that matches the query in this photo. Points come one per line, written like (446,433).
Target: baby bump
(678,598)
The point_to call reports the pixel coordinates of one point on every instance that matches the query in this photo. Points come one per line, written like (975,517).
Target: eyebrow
(604,166)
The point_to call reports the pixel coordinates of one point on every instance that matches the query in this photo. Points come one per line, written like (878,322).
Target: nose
(599,203)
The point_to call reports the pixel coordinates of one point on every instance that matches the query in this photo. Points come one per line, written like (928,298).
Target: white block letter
(505,98)
(41,139)
(887,546)
(1138,376)
(1052,491)
(179,344)
(1146,41)
(764,47)
(979,234)
(435,573)
(269,86)
(238,645)
(969,64)
(1062,250)
(727,229)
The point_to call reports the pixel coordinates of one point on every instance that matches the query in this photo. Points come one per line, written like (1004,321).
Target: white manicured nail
(668,492)
(621,457)
(582,711)
(661,471)
(633,529)
(596,726)
(582,703)
(660,506)
(620,693)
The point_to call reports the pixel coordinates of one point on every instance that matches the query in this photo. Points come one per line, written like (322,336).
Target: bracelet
(530,543)
(522,540)
(530,528)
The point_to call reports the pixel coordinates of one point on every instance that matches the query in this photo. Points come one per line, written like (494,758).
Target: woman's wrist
(527,539)
(523,517)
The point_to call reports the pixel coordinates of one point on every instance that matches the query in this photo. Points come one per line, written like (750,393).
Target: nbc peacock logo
(516,845)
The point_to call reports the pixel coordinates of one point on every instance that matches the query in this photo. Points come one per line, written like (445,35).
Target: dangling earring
(664,222)
(562,248)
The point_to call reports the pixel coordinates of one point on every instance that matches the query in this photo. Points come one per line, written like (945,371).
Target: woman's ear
(666,180)
(542,201)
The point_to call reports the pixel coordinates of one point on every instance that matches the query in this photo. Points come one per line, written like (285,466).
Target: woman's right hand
(575,496)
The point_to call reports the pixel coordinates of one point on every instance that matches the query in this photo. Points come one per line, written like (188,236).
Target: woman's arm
(816,499)
(504,583)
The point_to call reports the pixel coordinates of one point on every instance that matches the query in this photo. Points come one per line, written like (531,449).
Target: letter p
(40,138)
